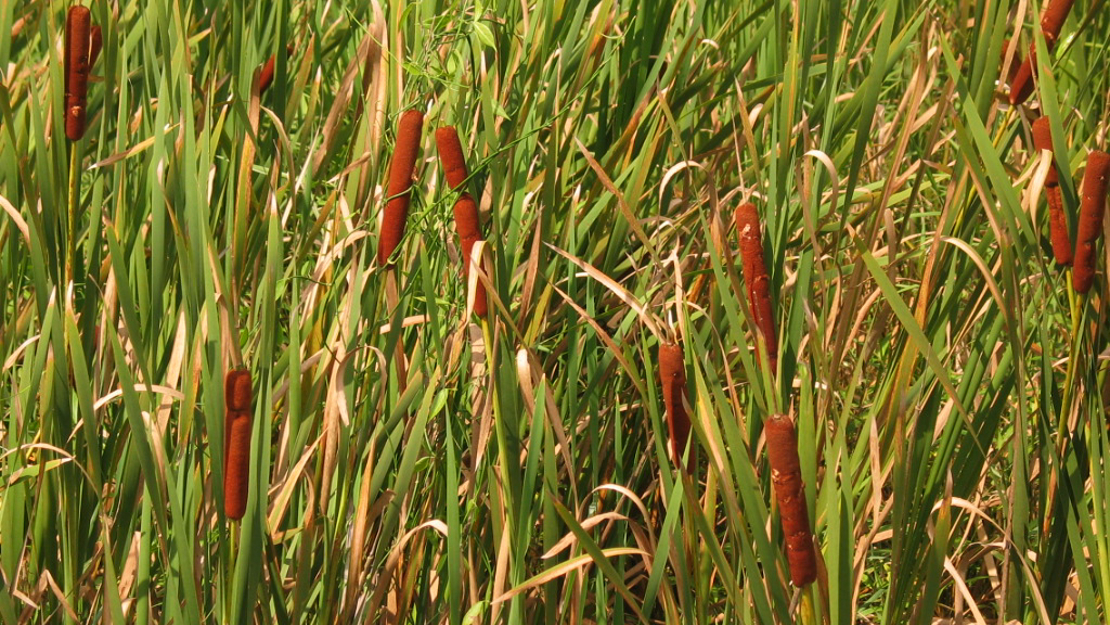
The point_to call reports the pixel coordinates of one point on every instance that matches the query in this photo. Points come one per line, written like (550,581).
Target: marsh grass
(409,465)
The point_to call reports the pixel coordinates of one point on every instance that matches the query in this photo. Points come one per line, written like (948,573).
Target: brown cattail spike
(76,70)
(672,376)
(1057,220)
(786,475)
(266,76)
(1014,63)
(1052,22)
(237,459)
(237,441)
(237,390)
(756,279)
(466,210)
(1091,212)
(96,41)
(400,183)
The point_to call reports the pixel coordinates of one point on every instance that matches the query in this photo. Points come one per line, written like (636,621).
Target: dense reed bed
(891,403)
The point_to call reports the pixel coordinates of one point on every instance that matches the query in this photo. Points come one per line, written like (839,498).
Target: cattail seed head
(237,458)
(76,70)
(1014,63)
(237,390)
(266,76)
(786,475)
(756,279)
(672,376)
(466,209)
(399,190)
(1021,82)
(96,42)
(1052,22)
(237,441)
(1057,220)
(1091,212)
(451,156)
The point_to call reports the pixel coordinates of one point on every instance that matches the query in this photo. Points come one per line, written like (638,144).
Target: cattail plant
(466,210)
(266,75)
(1091,211)
(672,376)
(237,442)
(1014,64)
(755,278)
(1057,220)
(96,41)
(786,475)
(399,189)
(1052,22)
(77,46)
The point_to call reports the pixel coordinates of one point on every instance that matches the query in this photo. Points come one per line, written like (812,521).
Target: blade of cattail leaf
(400,183)
(755,277)
(1091,212)
(466,209)
(237,442)
(786,475)
(76,70)
(672,376)
(1057,220)
(96,41)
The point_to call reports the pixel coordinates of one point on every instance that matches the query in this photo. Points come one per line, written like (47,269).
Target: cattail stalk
(1057,220)
(672,376)
(756,279)
(786,475)
(1052,22)
(1091,211)
(237,442)
(466,209)
(399,189)
(76,70)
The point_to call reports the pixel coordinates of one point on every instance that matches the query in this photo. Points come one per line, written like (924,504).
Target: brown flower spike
(1091,212)
(237,442)
(1052,22)
(672,376)
(1057,220)
(786,475)
(399,190)
(466,210)
(77,46)
(755,278)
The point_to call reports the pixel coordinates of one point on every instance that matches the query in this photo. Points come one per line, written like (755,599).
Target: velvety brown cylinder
(672,376)
(786,475)
(1057,220)
(755,277)
(466,209)
(1052,22)
(96,42)
(1021,83)
(266,76)
(237,459)
(1091,212)
(451,156)
(1015,63)
(399,190)
(466,223)
(76,70)
(237,390)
